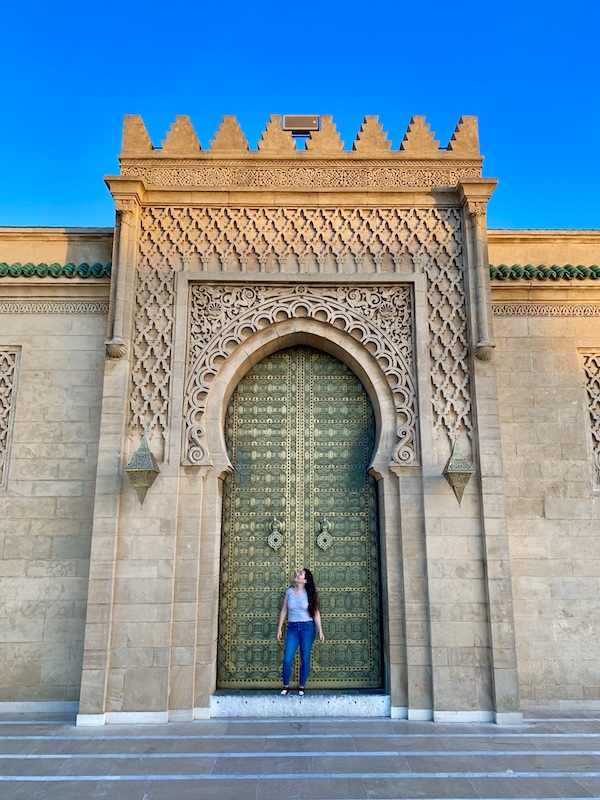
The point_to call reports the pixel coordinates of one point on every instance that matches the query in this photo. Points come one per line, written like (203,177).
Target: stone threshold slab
(313,704)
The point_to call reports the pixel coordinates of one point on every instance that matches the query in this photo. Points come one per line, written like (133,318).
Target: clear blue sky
(529,70)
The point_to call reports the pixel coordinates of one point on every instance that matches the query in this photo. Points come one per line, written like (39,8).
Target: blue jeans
(303,634)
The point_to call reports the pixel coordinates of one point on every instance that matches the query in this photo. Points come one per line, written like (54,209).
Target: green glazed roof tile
(543,273)
(69,270)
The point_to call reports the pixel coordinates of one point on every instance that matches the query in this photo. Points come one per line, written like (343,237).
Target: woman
(301,606)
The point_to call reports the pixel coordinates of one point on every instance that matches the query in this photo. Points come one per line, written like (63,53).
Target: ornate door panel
(300,434)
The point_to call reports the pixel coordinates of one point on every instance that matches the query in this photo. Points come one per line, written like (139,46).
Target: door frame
(338,343)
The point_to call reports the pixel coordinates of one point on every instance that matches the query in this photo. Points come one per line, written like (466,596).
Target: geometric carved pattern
(77,307)
(300,434)
(300,241)
(546,309)
(448,345)
(8,381)
(591,369)
(152,346)
(224,315)
(296,240)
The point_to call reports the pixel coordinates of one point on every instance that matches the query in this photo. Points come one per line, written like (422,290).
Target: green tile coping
(501,272)
(69,270)
(542,273)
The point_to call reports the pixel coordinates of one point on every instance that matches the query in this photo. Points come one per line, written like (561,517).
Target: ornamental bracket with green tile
(543,273)
(69,270)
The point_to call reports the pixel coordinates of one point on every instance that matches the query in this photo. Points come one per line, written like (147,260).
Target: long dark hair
(311,591)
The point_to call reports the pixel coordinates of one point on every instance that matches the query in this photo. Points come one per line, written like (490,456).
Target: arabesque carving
(591,370)
(300,241)
(222,316)
(546,309)
(419,175)
(8,381)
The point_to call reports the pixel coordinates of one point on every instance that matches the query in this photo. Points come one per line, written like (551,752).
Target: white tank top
(297,607)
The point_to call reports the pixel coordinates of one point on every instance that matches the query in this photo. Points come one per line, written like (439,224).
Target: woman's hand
(279,635)
(321,637)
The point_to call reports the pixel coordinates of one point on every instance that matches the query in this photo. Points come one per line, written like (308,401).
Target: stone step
(309,759)
(261,705)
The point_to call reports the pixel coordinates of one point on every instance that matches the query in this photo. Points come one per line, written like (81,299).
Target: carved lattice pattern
(8,380)
(224,315)
(591,369)
(448,345)
(301,241)
(300,434)
(152,347)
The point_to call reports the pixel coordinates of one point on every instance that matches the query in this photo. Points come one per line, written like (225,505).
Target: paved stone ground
(319,759)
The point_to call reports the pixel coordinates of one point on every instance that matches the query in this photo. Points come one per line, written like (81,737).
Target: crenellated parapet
(369,164)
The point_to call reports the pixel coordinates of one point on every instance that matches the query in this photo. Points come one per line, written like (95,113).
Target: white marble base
(90,720)
(420,714)
(181,716)
(512,718)
(311,705)
(40,707)
(463,716)
(124,718)
(399,712)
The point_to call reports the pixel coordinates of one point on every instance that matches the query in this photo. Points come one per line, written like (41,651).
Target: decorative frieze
(80,308)
(546,309)
(260,176)
(591,372)
(9,359)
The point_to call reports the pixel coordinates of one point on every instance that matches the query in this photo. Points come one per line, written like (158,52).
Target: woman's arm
(282,616)
(317,619)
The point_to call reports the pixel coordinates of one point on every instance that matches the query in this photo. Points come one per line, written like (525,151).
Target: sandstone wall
(553,501)
(52,333)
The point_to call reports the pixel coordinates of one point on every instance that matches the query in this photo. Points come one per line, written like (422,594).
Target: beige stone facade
(220,258)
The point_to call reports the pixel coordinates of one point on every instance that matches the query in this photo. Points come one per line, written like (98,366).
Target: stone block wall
(47,504)
(553,502)
(52,329)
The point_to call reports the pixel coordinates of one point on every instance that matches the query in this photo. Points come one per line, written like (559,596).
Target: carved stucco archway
(224,316)
(278,336)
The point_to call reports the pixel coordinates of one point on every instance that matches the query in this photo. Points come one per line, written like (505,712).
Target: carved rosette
(222,316)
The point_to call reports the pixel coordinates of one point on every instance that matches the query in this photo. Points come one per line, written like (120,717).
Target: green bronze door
(300,434)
